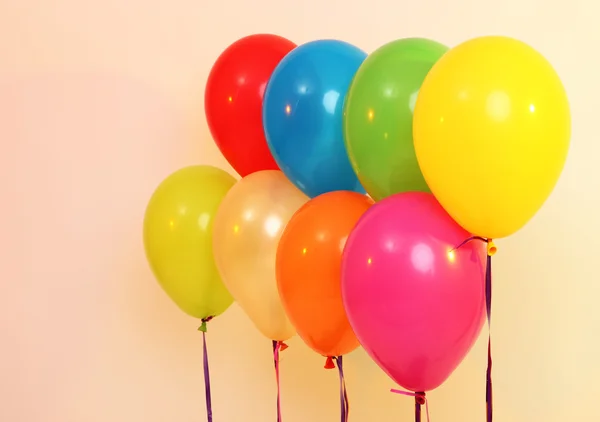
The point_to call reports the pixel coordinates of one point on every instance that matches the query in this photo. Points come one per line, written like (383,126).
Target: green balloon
(378,116)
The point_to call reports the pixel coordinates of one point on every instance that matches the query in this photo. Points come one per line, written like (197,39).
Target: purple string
(276,349)
(488,306)
(202,328)
(464,242)
(344,403)
(420,400)
(488,373)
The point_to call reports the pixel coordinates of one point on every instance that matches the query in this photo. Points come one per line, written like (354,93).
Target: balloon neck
(491,248)
(329,363)
(203,325)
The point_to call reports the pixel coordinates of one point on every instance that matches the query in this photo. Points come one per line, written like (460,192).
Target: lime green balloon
(178,239)
(378,116)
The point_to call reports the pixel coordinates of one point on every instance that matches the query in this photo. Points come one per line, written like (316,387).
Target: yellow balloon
(247,230)
(491,130)
(178,239)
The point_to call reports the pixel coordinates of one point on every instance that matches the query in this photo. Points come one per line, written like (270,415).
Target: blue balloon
(302,115)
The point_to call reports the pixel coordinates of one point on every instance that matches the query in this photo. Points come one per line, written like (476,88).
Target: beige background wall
(100,99)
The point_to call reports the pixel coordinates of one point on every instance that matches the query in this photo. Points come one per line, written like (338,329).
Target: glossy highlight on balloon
(247,229)
(303,111)
(233,100)
(178,238)
(415,302)
(309,260)
(378,118)
(492,129)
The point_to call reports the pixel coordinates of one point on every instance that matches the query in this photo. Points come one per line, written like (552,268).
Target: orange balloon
(309,259)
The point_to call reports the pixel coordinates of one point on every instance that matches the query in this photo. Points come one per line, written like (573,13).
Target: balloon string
(488,373)
(420,400)
(278,346)
(344,403)
(464,242)
(491,250)
(202,328)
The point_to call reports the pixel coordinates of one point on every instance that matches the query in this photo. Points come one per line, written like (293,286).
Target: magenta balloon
(416,305)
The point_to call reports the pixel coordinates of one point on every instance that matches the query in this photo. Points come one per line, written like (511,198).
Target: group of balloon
(360,175)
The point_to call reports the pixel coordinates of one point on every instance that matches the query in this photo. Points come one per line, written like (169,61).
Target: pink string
(420,398)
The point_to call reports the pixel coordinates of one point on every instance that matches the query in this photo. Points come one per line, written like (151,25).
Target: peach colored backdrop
(101,99)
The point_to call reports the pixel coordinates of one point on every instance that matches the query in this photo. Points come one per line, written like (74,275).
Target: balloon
(309,261)
(247,230)
(302,115)
(492,128)
(178,239)
(416,304)
(233,100)
(378,116)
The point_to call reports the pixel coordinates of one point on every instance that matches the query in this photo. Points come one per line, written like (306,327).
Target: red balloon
(233,100)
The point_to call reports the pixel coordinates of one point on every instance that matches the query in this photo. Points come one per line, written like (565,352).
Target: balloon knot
(420,398)
(491,248)
(329,363)
(203,325)
(282,346)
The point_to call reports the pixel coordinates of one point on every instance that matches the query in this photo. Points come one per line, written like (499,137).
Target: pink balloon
(416,305)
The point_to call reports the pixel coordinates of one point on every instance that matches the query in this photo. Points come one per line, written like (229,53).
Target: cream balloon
(246,233)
